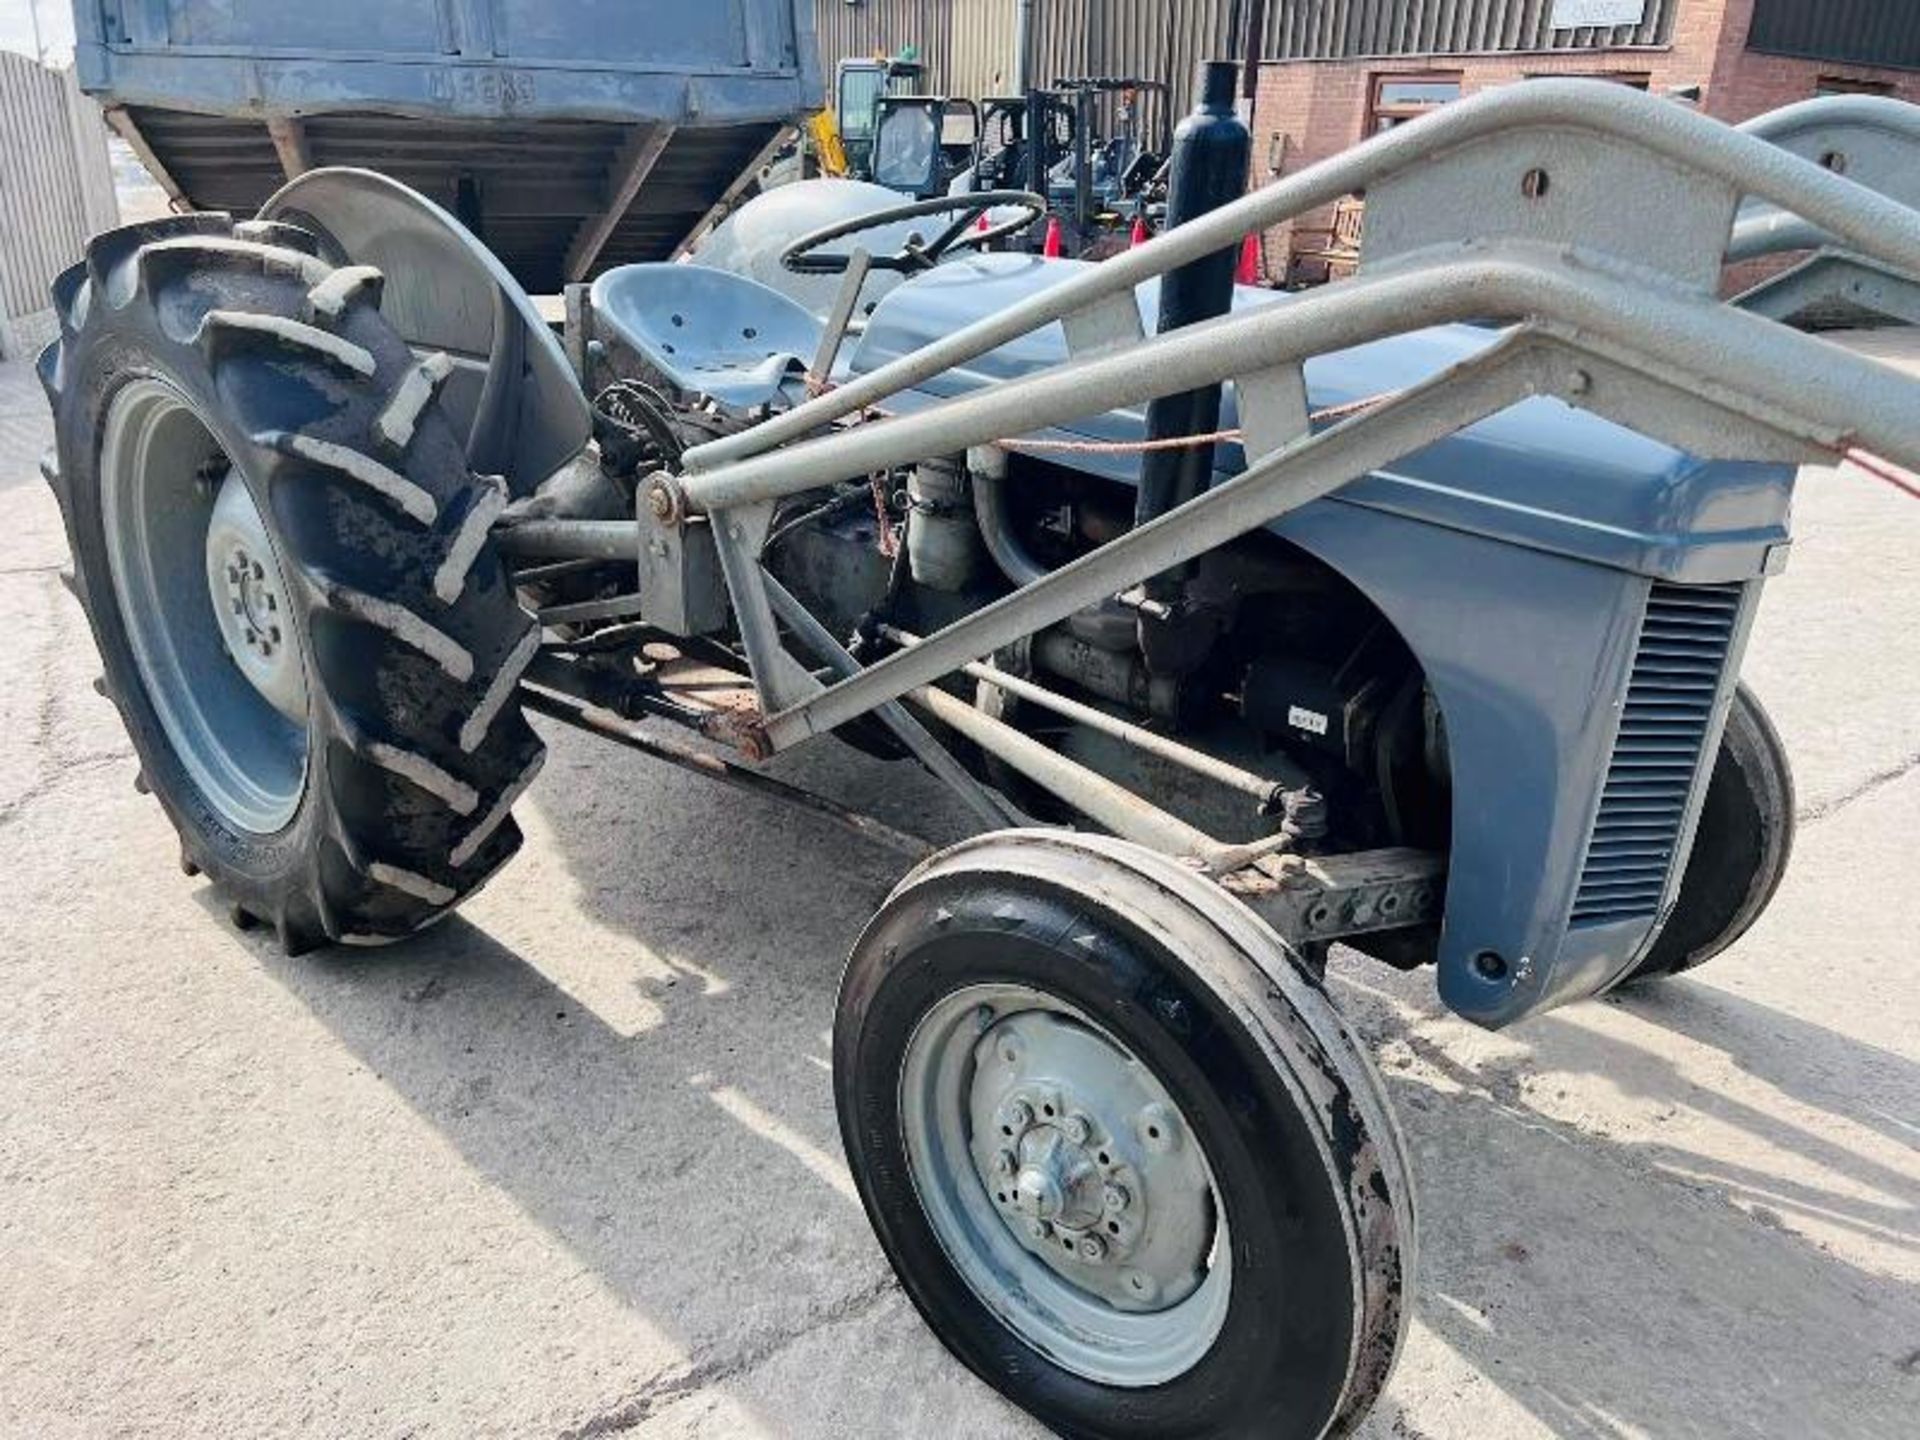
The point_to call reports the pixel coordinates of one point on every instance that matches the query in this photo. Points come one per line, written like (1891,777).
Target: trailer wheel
(1124,1155)
(286,565)
(1740,849)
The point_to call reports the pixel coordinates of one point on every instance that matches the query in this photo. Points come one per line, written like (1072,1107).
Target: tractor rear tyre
(286,565)
(1124,1155)
(1740,848)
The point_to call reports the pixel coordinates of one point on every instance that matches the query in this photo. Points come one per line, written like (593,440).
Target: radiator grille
(1684,641)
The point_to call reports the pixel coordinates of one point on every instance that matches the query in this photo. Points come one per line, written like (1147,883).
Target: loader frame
(1590,220)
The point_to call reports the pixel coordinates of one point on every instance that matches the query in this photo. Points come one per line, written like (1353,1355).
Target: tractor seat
(709,332)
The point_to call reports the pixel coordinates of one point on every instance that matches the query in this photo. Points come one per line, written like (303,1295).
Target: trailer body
(569,136)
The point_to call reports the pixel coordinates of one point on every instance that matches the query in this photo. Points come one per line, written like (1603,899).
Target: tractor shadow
(629,1035)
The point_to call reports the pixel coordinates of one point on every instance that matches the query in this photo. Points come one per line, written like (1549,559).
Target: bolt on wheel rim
(204,605)
(1065,1185)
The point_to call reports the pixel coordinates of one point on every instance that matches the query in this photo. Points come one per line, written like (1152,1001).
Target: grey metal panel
(1858,32)
(55,188)
(532,105)
(983,40)
(1527,692)
(717,63)
(886,27)
(1344,29)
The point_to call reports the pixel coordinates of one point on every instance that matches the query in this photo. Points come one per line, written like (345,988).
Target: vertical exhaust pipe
(1211,148)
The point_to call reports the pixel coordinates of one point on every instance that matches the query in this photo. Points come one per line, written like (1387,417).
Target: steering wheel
(916,254)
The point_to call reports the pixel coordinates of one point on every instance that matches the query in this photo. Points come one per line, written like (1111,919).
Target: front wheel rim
(178,521)
(1065,1186)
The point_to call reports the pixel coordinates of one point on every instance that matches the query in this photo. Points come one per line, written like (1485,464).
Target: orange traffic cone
(1248,272)
(1056,244)
(1140,233)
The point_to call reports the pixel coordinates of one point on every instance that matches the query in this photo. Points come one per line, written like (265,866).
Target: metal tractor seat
(710,332)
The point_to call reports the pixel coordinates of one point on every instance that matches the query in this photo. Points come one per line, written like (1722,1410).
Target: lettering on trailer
(1575,14)
(477,86)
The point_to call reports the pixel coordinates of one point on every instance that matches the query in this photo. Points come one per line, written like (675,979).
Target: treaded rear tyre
(411,635)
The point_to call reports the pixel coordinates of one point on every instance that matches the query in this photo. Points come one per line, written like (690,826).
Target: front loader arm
(1593,222)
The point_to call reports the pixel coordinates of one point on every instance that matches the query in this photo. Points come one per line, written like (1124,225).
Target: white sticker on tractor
(1311,721)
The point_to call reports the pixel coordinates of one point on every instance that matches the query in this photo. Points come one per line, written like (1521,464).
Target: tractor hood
(1541,474)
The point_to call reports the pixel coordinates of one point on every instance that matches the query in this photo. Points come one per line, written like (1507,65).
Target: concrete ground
(568,1166)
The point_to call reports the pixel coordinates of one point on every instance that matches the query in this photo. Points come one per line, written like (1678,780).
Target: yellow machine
(823,135)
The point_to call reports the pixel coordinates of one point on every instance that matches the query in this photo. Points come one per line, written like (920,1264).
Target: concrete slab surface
(567,1166)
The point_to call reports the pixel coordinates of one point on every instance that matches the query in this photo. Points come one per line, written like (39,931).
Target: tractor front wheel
(1740,848)
(1122,1152)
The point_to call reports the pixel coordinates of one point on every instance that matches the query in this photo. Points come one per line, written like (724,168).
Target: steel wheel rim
(237,725)
(1091,1317)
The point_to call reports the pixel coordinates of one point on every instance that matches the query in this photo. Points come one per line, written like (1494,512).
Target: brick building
(1338,70)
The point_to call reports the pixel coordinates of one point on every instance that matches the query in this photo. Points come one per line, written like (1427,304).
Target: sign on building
(1572,14)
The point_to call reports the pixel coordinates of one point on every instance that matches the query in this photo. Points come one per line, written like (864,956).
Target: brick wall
(1307,110)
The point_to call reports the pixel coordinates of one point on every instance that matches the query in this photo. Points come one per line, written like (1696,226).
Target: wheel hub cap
(249,601)
(1086,1162)
(1065,1185)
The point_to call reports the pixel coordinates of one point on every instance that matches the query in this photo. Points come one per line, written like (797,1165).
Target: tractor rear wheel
(286,565)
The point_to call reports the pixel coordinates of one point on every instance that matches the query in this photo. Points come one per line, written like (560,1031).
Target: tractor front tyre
(287,568)
(1123,1153)
(1740,847)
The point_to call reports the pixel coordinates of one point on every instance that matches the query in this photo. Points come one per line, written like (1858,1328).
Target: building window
(1400,98)
(1841,85)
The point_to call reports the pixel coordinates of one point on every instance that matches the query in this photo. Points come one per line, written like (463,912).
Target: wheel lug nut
(1005,1163)
(1093,1249)
(1015,1116)
(1115,1199)
(1039,1230)
(1078,1129)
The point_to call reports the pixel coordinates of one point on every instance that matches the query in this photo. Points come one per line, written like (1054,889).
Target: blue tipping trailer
(570,135)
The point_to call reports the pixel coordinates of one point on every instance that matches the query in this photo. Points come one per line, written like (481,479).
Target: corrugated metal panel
(55,187)
(1856,32)
(969,46)
(886,27)
(1341,29)
(984,47)
(1162,40)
